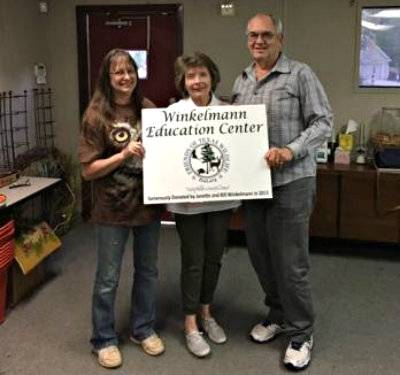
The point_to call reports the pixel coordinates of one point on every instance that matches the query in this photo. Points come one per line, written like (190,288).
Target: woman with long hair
(111,155)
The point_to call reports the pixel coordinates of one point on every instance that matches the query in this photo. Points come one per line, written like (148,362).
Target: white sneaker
(298,355)
(265,331)
(197,345)
(214,331)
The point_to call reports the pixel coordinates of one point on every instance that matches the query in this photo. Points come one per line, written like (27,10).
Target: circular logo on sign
(206,160)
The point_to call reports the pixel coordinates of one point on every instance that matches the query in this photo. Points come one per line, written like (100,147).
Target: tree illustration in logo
(208,156)
(206,160)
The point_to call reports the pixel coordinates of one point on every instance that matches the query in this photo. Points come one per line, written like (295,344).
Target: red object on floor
(6,253)
(3,293)
(7,232)
(6,257)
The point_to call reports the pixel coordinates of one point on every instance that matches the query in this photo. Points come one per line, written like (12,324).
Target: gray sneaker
(197,345)
(214,331)
(265,331)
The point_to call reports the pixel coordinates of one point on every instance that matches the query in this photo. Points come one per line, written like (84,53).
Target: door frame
(82,13)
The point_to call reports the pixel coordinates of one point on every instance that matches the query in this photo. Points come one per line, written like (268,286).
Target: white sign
(205,154)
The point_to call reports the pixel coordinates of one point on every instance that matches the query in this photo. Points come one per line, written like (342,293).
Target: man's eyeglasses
(122,72)
(265,36)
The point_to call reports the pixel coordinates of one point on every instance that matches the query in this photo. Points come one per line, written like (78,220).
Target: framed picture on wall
(379,48)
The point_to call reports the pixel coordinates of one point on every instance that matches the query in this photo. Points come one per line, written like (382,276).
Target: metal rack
(16,132)
(43,110)
(14,127)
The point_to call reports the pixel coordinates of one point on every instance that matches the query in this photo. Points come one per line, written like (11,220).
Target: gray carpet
(356,291)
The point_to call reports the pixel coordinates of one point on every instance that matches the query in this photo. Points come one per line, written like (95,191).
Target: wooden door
(153,31)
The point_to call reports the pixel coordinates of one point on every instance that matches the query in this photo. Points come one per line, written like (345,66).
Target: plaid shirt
(298,112)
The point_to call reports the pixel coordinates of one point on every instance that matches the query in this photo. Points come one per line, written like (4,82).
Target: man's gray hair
(277,22)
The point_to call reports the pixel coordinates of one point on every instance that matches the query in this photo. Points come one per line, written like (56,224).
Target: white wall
(323,34)
(319,32)
(22,42)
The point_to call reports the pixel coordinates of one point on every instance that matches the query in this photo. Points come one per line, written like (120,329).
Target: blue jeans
(111,241)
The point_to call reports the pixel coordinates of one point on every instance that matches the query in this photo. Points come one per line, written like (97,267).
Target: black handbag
(387,157)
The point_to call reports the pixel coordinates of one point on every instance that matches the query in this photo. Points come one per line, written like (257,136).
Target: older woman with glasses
(111,156)
(202,227)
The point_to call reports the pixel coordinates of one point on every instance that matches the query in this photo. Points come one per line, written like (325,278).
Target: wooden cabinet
(359,201)
(353,202)
(324,221)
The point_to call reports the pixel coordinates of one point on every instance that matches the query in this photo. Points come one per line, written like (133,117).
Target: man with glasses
(299,121)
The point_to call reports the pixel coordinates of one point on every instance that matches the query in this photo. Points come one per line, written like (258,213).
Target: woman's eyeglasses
(122,72)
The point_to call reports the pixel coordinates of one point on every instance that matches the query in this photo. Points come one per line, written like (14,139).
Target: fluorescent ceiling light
(387,13)
(375,26)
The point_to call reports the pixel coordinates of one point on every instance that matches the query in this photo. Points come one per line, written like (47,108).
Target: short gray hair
(276,21)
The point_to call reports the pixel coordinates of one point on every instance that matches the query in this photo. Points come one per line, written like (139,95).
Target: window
(140,57)
(379,56)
